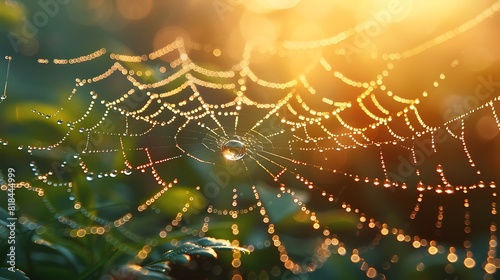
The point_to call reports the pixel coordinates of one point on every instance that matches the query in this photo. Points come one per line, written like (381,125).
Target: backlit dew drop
(439,189)
(90,176)
(420,186)
(387,183)
(233,150)
(59,121)
(448,189)
(127,172)
(439,168)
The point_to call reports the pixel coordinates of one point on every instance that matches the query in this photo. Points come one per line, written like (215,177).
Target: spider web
(321,133)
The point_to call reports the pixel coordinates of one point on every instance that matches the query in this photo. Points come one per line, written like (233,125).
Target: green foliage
(98,265)
(16,275)
(204,247)
(160,268)
(133,271)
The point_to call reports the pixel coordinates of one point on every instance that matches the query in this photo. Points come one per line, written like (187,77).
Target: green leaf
(160,267)
(5,273)
(205,246)
(218,244)
(133,271)
(95,267)
(182,249)
(71,249)
(180,259)
(64,251)
(210,241)
(230,248)
(206,252)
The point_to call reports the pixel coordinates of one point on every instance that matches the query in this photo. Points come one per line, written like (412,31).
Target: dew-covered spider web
(387,169)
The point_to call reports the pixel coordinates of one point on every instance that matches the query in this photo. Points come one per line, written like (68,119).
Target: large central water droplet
(233,149)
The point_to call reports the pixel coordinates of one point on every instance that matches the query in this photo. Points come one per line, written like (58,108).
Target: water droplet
(438,189)
(420,186)
(233,149)
(59,121)
(387,183)
(71,197)
(90,176)
(113,173)
(127,171)
(20,147)
(449,189)
(439,168)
